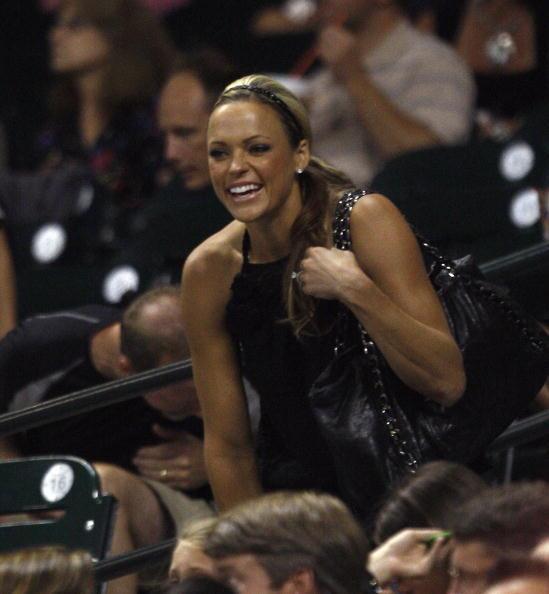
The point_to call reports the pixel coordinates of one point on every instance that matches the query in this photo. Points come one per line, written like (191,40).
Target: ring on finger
(164,473)
(296,275)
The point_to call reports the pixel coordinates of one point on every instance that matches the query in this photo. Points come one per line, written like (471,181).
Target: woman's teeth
(245,189)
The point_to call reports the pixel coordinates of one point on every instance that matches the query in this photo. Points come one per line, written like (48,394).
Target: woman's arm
(228,444)
(384,283)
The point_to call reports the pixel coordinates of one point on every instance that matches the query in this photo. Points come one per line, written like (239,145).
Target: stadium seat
(479,198)
(54,500)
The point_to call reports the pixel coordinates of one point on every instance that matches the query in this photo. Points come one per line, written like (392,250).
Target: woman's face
(76,45)
(252,164)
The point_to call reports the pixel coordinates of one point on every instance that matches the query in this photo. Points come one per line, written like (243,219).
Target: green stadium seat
(34,487)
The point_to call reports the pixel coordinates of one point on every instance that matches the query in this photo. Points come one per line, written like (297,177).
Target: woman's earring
(299,171)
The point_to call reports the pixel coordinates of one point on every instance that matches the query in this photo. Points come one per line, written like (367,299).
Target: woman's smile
(244,191)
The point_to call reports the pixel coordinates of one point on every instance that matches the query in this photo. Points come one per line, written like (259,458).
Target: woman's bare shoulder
(376,215)
(220,254)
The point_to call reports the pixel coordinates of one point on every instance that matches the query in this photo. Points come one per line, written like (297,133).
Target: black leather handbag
(378,429)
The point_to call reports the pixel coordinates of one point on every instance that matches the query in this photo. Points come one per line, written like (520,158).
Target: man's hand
(338,49)
(177,462)
(409,553)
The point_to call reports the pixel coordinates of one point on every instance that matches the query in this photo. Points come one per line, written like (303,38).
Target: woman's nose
(238,161)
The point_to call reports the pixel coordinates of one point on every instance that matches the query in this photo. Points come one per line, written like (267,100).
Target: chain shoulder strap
(342,241)
(341,229)
(448,271)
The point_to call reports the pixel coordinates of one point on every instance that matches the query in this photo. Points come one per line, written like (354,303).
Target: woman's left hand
(330,273)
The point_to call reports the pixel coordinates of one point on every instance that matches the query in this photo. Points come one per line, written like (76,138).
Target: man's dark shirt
(170,228)
(49,354)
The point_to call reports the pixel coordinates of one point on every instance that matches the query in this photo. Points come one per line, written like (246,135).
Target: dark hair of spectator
(321,185)
(200,584)
(141,57)
(46,570)
(288,532)
(210,67)
(146,339)
(429,498)
(509,520)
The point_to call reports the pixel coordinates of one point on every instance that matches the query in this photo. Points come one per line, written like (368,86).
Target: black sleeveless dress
(281,368)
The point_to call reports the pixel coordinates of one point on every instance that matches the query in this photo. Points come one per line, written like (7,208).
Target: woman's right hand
(409,553)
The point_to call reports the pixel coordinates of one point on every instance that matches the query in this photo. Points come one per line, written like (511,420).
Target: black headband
(274,99)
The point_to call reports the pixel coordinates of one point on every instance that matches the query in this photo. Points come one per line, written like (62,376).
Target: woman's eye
(259,148)
(216,153)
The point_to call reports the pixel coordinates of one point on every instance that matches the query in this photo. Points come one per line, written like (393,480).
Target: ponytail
(321,185)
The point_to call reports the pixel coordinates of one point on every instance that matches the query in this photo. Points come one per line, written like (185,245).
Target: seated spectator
(96,162)
(499,523)
(148,451)
(519,576)
(385,88)
(506,45)
(289,542)
(411,528)
(46,570)
(427,499)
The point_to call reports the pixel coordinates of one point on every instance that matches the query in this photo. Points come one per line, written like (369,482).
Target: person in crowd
(519,576)
(111,59)
(289,542)
(96,160)
(186,210)
(148,451)
(411,528)
(46,570)
(259,296)
(384,88)
(188,557)
(507,48)
(501,522)
(427,499)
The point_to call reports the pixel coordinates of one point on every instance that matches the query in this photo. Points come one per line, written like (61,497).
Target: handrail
(93,398)
(119,565)
(505,267)
(523,431)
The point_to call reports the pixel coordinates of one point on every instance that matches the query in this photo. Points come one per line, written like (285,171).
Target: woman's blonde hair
(46,570)
(320,186)
(195,533)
